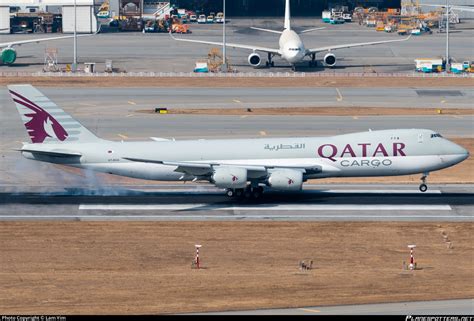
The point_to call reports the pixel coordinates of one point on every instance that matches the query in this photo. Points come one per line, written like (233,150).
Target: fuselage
(291,47)
(372,153)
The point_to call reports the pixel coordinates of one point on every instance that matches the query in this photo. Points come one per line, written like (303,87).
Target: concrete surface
(205,203)
(444,307)
(160,53)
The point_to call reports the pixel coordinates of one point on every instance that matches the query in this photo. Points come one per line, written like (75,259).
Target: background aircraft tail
(287,15)
(45,122)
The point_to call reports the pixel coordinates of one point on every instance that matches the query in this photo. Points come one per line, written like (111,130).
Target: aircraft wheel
(257,192)
(267,64)
(230,193)
(272,64)
(423,188)
(239,192)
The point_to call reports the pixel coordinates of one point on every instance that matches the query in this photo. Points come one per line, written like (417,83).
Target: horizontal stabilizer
(267,30)
(310,30)
(51,153)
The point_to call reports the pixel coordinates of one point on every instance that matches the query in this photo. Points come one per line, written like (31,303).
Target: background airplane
(291,47)
(8,54)
(241,166)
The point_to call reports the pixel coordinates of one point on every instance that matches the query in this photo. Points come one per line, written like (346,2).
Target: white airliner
(241,166)
(291,46)
(8,54)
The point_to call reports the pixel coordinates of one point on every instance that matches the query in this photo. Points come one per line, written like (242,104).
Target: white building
(86,19)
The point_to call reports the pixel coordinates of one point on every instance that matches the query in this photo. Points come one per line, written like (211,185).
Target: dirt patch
(358,82)
(145,267)
(319,111)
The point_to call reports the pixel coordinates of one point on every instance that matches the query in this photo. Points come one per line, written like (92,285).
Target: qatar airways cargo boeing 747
(241,166)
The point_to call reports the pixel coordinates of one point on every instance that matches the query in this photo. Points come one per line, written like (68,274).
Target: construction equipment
(51,60)
(215,61)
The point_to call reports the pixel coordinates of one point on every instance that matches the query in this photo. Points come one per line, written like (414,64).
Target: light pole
(224,50)
(448,66)
(74,65)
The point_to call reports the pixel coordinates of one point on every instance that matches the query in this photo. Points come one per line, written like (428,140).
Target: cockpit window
(436,135)
(294,49)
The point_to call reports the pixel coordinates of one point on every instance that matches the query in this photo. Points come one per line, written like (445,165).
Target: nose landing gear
(423,187)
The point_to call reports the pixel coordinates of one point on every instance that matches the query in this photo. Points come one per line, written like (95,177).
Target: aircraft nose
(458,150)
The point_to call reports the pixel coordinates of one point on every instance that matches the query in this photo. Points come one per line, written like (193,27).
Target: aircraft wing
(231,45)
(22,42)
(351,45)
(207,168)
(459,8)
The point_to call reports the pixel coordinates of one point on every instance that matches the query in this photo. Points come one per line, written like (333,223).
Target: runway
(173,203)
(442,307)
(136,98)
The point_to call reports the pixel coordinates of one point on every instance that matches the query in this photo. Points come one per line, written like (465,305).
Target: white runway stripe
(263,207)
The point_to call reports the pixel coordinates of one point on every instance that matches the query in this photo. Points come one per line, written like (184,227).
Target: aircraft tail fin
(287,15)
(45,122)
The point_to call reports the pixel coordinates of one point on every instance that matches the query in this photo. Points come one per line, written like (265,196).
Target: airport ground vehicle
(202,19)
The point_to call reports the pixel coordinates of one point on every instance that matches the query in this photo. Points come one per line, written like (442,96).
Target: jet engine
(254,59)
(330,60)
(8,56)
(286,180)
(230,177)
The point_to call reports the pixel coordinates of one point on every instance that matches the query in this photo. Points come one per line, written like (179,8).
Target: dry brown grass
(145,267)
(362,82)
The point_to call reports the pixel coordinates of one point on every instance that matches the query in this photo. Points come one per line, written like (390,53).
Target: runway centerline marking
(263,207)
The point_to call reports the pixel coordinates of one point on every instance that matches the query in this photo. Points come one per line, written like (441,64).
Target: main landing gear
(248,193)
(270,62)
(423,186)
(313,62)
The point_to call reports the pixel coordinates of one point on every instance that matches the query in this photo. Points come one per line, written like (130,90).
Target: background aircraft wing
(459,8)
(231,45)
(22,42)
(360,44)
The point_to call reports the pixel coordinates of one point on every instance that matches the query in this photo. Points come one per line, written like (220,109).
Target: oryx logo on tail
(41,125)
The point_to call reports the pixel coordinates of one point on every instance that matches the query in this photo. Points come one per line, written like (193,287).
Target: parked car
(193,18)
(210,19)
(202,19)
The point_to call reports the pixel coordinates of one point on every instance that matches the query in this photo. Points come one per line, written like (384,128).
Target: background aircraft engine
(286,180)
(8,56)
(330,60)
(255,60)
(230,177)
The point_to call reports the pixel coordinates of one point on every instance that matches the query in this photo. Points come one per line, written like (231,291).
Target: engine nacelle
(330,60)
(286,180)
(8,56)
(230,177)
(255,60)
